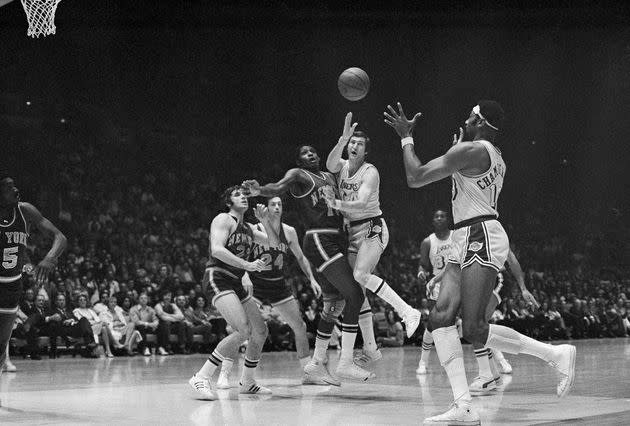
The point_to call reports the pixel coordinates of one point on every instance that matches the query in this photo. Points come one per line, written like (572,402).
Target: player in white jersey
(433,257)
(480,248)
(367,231)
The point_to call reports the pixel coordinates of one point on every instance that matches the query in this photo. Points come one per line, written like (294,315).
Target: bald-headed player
(480,248)
(359,203)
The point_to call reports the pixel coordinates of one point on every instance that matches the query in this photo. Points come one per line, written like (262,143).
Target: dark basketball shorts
(323,247)
(10,293)
(271,292)
(218,282)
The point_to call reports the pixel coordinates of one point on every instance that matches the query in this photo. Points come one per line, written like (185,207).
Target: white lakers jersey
(438,253)
(478,195)
(349,191)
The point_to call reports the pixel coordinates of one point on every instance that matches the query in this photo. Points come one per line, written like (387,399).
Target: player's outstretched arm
(305,265)
(334,162)
(517,272)
(368,187)
(272,189)
(269,237)
(220,230)
(48,263)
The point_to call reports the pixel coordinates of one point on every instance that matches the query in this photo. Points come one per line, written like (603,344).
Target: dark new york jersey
(314,210)
(273,257)
(13,240)
(239,243)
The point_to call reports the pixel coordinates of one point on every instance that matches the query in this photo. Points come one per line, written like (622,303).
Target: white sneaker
(316,373)
(564,363)
(456,415)
(202,387)
(412,320)
(482,386)
(162,351)
(349,370)
(224,376)
(147,351)
(253,388)
(506,368)
(367,357)
(10,367)
(422,368)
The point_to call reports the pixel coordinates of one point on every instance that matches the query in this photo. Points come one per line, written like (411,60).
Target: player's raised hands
(348,128)
(457,140)
(398,120)
(251,188)
(261,212)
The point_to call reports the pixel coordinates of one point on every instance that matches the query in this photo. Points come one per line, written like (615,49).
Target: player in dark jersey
(16,219)
(269,286)
(325,247)
(231,242)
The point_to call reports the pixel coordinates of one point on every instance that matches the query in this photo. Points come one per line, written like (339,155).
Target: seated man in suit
(62,322)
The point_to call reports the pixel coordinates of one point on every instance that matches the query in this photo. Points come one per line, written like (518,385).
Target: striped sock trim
(216,358)
(323,336)
(379,287)
(490,353)
(480,353)
(350,328)
(427,346)
(365,313)
(251,363)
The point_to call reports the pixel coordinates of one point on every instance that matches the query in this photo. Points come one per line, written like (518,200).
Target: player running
(480,248)
(368,236)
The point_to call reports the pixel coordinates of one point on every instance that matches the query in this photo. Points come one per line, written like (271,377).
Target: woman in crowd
(394,334)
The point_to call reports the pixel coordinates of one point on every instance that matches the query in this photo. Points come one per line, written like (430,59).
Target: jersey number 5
(10,258)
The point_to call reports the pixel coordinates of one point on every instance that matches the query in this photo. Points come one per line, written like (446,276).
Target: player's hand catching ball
(399,121)
(251,187)
(348,129)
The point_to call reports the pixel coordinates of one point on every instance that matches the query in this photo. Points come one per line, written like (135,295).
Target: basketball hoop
(41,16)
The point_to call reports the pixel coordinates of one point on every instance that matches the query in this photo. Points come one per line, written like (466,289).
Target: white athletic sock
(427,344)
(511,341)
(321,346)
(366,324)
(304,361)
(210,365)
(379,287)
(484,362)
(227,364)
(494,368)
(348,338)
(249,368)
(451,355)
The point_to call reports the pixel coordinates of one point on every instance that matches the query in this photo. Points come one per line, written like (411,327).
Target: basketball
(353,84)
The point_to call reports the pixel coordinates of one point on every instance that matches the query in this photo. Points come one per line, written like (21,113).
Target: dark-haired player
(16,220)
(324,246)
(269,286)
(359,183)
(480,248)
(231,241)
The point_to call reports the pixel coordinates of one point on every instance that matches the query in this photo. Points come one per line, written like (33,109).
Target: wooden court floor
(154,391)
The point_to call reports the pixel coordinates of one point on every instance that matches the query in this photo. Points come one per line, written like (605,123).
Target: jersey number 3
(10,258)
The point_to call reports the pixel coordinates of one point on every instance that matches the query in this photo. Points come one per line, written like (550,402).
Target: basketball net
(41,16)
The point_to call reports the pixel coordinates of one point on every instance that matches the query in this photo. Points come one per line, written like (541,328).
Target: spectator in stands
(25,328)
(123,332)
(171,320)
(84,311)
(311,317)
(146,321)
(200,321)
(62,323)
(394,335)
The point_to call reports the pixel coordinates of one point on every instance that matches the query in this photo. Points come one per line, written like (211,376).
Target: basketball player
(434,251)
(480,248)
(231,242)
(16,220)
(367,231)
(269,287)
(324,246)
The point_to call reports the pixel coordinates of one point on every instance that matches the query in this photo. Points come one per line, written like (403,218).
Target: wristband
(406,141)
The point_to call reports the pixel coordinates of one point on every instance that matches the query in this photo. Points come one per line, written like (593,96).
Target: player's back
(477,195)
(13,243)
(314,211)
(239,243)
(349,191)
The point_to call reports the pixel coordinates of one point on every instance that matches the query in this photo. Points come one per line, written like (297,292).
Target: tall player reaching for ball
(231,241)
(367,231)
(324,246)
(269,286)
(480,248)
(16,219)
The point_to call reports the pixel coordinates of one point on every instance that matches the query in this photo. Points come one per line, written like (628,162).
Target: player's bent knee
(332,309)
(361,277)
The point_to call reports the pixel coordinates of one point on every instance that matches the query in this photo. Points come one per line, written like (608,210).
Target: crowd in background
(138,245)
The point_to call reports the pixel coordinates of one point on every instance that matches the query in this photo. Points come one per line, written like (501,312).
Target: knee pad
(332,309)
